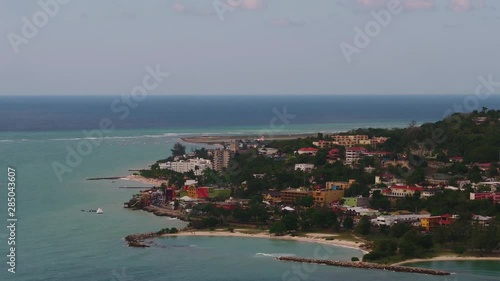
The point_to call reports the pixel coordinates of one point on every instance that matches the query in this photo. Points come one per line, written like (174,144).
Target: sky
(248,47)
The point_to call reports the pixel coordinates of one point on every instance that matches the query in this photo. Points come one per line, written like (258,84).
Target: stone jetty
(108,178)
(366,265)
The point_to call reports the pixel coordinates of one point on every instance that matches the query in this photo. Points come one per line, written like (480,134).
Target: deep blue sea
(56,241)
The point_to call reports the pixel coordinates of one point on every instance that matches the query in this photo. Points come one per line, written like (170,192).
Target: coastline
(211,140)
(448,258)
(141,179)
(263,235)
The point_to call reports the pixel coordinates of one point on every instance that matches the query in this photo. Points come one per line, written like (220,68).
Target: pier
(366,265)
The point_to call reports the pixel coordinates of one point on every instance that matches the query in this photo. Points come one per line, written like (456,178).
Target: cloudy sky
(236,47)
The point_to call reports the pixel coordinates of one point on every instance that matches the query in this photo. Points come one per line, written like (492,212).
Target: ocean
(55,240)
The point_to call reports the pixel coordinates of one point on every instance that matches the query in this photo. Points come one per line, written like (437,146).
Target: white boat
(99,211)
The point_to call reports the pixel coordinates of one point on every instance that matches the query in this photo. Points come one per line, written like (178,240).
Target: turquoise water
(56,241)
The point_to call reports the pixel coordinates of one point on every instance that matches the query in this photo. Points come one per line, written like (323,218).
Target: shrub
(354,259)
(174,230)
(459,250)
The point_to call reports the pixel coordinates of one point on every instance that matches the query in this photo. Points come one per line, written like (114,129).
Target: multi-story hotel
(222,157)
(196,165)
(351,140)
(353,154)
(289,196)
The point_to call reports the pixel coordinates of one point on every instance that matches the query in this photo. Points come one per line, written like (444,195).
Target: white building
(304,167)
(392,219)
(353,154)
(196,165)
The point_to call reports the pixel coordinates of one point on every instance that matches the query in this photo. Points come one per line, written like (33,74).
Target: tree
(348,223)
(278,228)
(290,222)
(178,149)
(306,201)
(399,229)
(364,226)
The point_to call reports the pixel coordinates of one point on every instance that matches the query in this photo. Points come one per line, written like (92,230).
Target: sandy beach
(310,238)
(449,258)
(141,179)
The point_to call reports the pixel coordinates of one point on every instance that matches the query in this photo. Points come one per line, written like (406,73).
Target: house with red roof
(353,154)
(308,150)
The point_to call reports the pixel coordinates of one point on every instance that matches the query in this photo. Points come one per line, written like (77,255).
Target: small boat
(99,211)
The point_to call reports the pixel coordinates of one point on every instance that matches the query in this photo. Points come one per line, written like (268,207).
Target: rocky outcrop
(137,240)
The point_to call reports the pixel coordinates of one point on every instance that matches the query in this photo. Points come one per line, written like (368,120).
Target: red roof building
(308,150)
(495,196)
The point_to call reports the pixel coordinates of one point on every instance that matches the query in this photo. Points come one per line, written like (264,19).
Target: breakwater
(108,178)
(366,265)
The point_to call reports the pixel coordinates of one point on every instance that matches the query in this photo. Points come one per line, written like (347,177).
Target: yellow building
(341,184)
(192,191)
(289,196)
(327,196)
(430,222)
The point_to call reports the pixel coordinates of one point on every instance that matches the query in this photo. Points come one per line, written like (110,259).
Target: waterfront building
(325,197)
(197,165)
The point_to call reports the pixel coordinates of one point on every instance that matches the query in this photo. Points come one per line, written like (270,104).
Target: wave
(275,255)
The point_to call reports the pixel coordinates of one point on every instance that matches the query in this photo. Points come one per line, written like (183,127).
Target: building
(272,196)
(401,191)
(353,154)
(339,184)
(350,140)
(234,145)
(389,220)
(482,221)
(198,192)
(304,167)
(324,144)
(495,196)
(308,150)
(289,196)
(324,197)
(359,211)
(197,165)
(222,158)
(356,201)
(430,223)
(268,151)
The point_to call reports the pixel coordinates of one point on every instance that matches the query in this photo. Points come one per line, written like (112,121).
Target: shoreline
(447,258)
(212,140)
(263,235)
(141,179)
